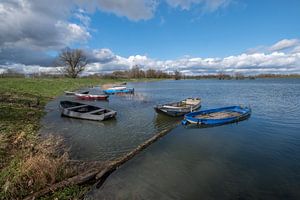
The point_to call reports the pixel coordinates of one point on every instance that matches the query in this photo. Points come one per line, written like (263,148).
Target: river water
(255,159)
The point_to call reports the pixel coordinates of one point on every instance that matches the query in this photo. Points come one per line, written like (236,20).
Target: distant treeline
(240,76)
(136,72)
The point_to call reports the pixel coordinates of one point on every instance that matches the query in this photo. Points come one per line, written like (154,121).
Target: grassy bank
(29,163)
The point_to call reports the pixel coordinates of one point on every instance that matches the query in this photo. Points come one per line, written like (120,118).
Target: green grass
(45,87)
(72,192)
(22,102)
(23,162)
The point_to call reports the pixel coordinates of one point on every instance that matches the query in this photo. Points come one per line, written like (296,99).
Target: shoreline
(23,103)
(29,162)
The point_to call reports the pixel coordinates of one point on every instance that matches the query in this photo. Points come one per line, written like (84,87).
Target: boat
(73,93)
(218,116)
(92,96)
(179,108)
(84,111)
(118,89)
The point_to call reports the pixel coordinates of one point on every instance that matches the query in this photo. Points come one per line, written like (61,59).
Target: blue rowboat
(119,89)
(217,116)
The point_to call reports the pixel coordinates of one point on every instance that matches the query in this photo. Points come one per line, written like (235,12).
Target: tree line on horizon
(72,62)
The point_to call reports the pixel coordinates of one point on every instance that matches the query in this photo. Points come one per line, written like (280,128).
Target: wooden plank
(75,107)
(218,115)
(94,111)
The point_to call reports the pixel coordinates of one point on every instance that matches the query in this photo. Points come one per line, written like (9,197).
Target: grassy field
(27,162)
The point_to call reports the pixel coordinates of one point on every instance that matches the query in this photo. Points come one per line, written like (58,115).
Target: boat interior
(88,109)
(187,103)
(219,115)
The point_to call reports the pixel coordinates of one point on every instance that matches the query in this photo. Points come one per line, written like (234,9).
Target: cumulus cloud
(36,27)
(275,62)
(28,69)
(29,29)
(105,61)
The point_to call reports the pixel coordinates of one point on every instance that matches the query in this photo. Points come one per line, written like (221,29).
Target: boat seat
(95,111)
(192,101)
(172,107)
(75,107)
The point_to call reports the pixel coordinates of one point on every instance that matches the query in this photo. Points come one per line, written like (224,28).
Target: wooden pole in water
(100,173)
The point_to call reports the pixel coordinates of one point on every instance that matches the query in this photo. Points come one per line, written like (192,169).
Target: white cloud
(30,28)
(28,69)
(38,25)
(105,61)
(35,27)
(206,5)
(285,44)
(275,62)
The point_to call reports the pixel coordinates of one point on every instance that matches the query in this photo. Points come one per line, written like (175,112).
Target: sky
(196,37)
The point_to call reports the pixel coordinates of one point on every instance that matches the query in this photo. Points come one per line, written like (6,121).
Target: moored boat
(84,111)
(179,108)
(118,89)
(92,96)
(73,93)
(217,116)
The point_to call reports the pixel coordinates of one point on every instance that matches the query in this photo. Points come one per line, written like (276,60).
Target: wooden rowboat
(73,93)
(179,108)
(91,96)
(84,111)
(217,116)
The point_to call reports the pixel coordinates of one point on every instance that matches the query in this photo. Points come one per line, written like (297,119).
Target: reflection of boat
(217,116)
(179,108)
(118,89)
(73,93)
(91,96)
(84,111)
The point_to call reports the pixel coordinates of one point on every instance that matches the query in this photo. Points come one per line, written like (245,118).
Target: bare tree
(72,61)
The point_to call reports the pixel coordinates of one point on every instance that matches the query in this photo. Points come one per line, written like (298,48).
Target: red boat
(92,96)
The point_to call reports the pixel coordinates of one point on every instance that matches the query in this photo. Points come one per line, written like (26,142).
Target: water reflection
(258,158)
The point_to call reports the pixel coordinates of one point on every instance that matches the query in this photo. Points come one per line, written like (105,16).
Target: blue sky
(193,36)
(173,33)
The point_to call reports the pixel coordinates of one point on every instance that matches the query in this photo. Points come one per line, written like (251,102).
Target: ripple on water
(255,159)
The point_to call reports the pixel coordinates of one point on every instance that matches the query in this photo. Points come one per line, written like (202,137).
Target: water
(255,159)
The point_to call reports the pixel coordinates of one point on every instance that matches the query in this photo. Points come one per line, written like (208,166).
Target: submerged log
(101,176)
(98,173)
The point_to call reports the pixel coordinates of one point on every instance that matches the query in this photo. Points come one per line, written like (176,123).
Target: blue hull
(114,91)
(240,113)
